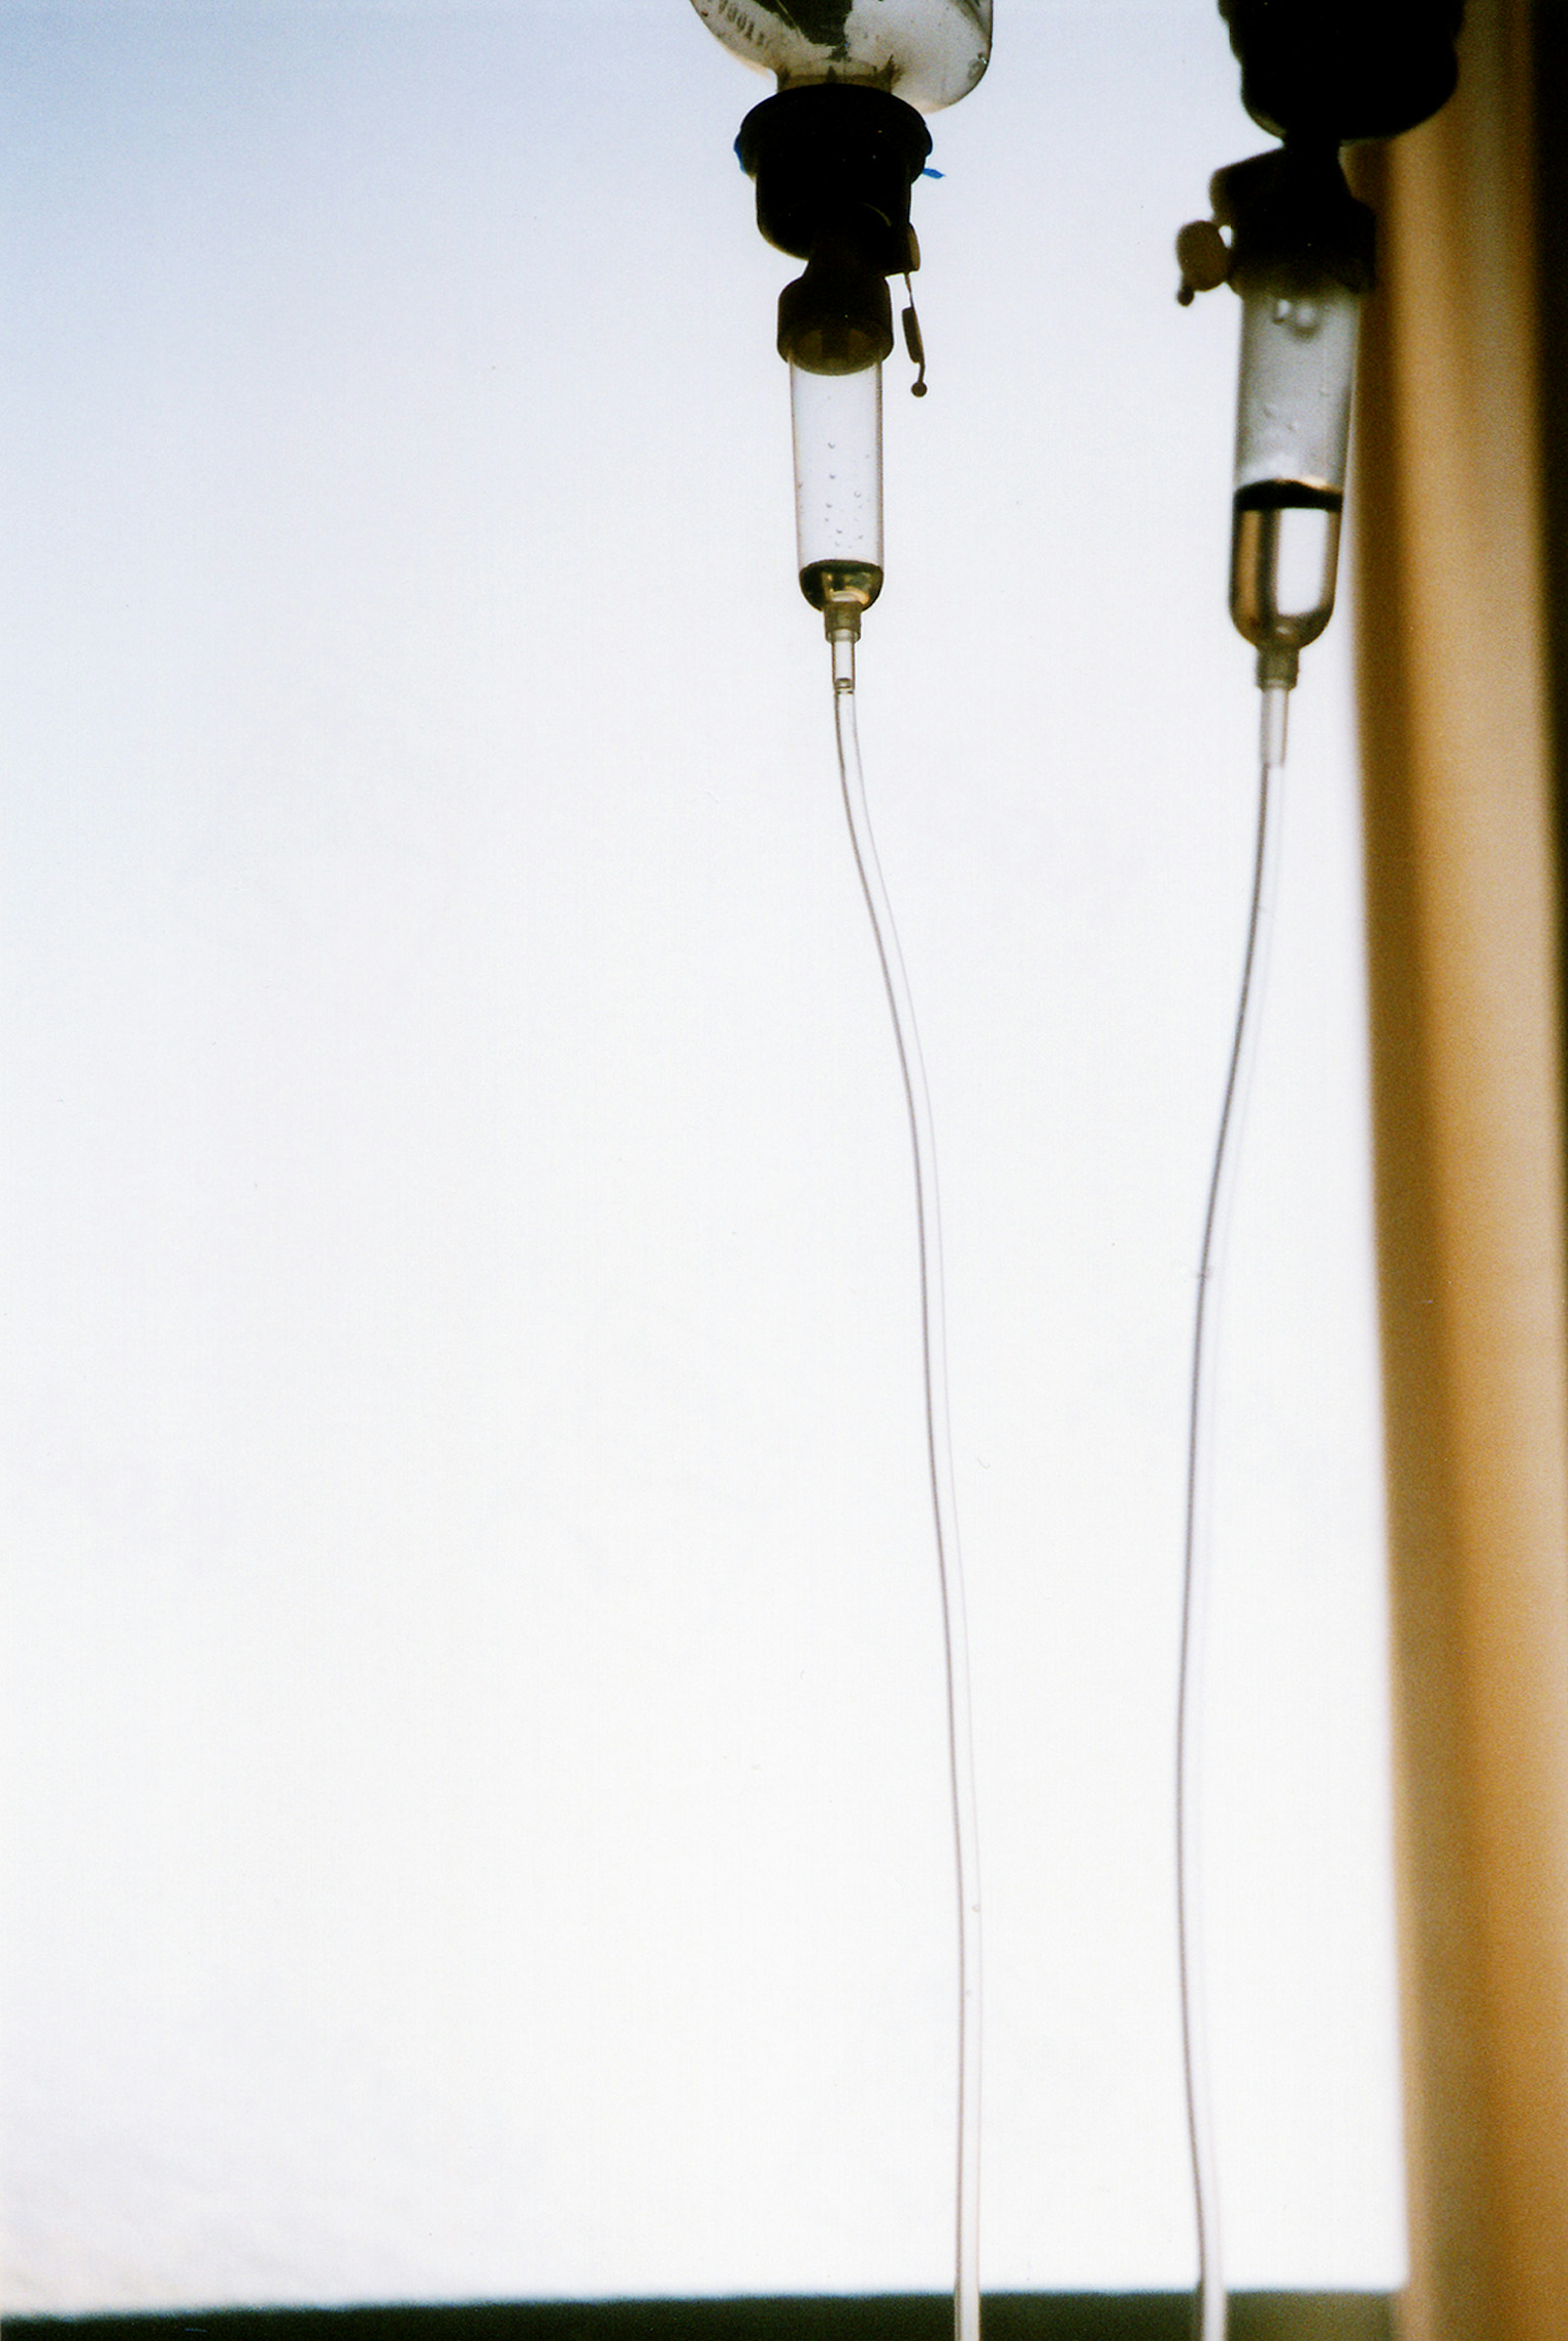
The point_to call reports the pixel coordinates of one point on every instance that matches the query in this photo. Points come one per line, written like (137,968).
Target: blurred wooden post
(1467,1079)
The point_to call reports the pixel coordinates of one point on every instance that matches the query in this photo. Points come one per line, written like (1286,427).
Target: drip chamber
(836,420)
(1301,258)
(1292,436)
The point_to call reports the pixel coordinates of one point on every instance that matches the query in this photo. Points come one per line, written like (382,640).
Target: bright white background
(476,1805)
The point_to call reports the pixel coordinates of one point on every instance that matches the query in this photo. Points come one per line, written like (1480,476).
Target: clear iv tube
(1197,1554)
(945,1506)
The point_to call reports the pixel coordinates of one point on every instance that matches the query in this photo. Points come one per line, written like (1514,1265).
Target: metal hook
(913,344)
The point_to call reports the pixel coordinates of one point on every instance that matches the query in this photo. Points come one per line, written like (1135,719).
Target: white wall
(477,1810)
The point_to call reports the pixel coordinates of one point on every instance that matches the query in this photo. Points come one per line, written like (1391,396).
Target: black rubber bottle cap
(830,152)
(838,317)
(1339,70)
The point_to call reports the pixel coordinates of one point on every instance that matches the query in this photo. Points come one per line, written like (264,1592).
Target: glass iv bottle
(930,52)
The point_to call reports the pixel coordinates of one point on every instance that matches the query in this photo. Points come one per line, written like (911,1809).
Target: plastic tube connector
(1279,663)
(1276,681)
(841,623)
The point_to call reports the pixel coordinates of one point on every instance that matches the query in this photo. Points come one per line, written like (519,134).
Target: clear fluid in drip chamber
(1285,551)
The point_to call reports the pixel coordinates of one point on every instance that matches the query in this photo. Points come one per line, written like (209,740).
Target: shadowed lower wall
(904,2317)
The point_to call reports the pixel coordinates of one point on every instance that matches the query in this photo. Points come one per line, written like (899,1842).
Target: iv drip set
(1300,255)
(835,155)
(835,163)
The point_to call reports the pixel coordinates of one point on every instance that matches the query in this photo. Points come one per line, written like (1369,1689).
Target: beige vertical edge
(1467,1062)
